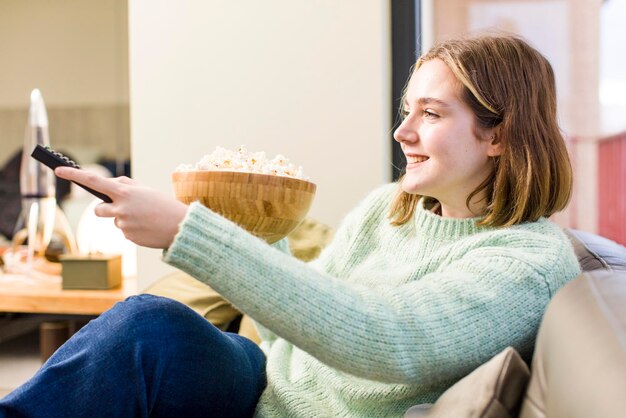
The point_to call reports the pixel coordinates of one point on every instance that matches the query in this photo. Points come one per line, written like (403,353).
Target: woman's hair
(509,85)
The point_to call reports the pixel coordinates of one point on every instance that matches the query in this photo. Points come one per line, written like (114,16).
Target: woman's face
(445,159)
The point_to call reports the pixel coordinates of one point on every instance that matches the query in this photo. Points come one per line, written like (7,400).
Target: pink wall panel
(612,188)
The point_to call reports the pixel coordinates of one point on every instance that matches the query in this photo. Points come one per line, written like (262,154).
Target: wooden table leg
(52,335)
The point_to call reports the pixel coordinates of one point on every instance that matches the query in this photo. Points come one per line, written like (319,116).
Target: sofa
(579,364)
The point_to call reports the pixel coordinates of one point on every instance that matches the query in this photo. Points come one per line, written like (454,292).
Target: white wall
(308,79)
(612,65)
(74,51)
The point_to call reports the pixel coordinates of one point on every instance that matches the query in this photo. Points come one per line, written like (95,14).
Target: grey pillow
(493,390)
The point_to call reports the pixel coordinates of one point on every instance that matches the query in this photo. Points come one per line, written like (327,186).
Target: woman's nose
(406,132)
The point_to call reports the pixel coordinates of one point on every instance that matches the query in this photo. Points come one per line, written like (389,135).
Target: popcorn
(249,162)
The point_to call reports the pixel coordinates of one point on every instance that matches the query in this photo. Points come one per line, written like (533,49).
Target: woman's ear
(494,145)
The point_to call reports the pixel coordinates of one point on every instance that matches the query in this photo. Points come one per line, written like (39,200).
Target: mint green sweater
(387,317)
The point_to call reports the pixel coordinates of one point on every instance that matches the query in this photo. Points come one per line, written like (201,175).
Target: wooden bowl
(267,206)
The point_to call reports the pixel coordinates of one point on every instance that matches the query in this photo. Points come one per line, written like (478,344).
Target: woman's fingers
(91,180)
(104,210)
(145,216)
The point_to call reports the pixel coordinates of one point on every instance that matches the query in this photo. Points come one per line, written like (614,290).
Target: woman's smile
(413,159)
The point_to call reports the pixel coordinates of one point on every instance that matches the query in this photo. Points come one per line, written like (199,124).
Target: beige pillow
(493,390)
(198,296)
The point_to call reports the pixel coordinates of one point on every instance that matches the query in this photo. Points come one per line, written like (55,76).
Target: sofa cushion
(595,252)
(579,365)
(493,390)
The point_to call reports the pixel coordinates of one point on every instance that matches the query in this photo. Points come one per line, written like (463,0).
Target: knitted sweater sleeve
(423,331)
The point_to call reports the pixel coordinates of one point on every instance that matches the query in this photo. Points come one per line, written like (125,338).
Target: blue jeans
(146,356)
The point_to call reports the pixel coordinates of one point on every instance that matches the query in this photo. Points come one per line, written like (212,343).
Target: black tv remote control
(54,159)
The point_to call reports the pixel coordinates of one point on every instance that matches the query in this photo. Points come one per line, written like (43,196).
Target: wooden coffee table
(55,310)
(20,293)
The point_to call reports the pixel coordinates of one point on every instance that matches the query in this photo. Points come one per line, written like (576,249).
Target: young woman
(425,280)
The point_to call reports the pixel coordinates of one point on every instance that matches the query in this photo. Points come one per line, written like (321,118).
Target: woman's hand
(146,217)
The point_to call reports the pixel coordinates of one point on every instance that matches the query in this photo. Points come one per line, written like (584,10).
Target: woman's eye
(426,113)
(429,115)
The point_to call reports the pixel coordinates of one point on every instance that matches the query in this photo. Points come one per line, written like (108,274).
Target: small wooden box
(92,271)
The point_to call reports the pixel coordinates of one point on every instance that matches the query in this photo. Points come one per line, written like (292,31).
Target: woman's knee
(140,305)
(149,316)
